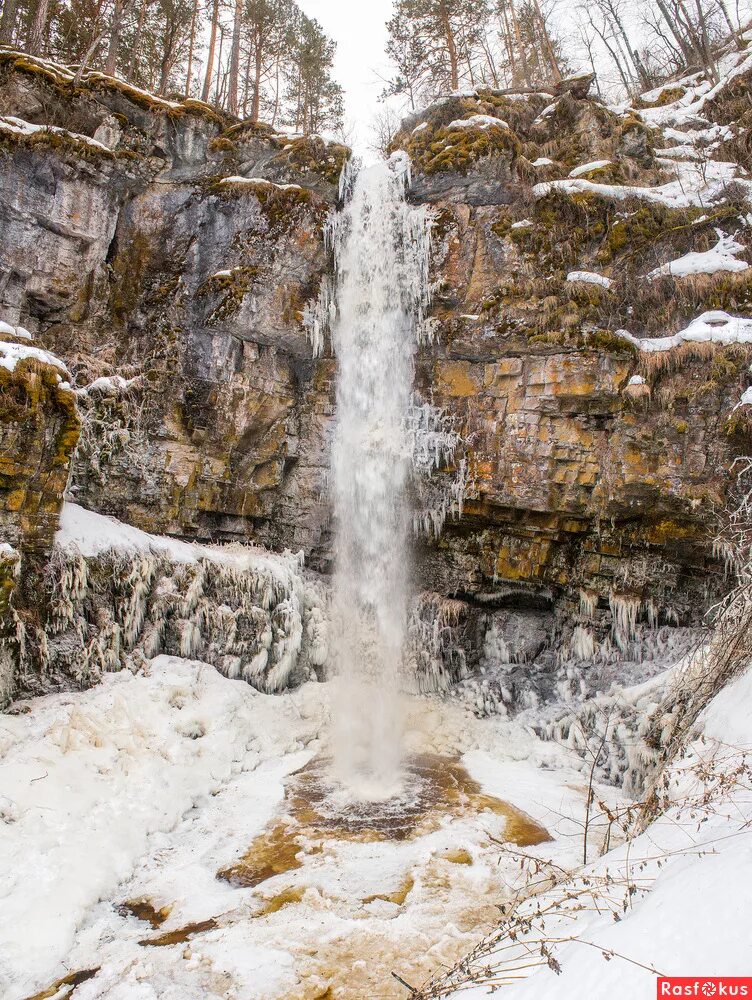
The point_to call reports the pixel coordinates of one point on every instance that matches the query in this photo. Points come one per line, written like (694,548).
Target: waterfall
(381,248)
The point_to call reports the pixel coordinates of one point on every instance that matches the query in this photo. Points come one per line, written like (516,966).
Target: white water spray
(381,249)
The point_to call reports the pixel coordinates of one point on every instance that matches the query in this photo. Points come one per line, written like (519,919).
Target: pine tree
(315,100)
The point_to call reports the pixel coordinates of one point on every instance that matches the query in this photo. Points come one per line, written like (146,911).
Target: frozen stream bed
(171,834)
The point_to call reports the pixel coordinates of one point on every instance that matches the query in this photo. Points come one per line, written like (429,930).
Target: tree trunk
(520,44)
(547,44)
(191,45)
(39,28)
(131,71)
(645,80)
(732,30)
(673,27)
(110,65)
(210,57)
(235,58)
(256,107)
(219,89)
(8,22)
(451,46)
(506,33)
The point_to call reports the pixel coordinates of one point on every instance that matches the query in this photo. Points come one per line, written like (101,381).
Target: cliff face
(169,257)
(171,254)
(598,448)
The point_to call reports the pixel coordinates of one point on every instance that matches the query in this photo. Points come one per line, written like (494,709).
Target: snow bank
(715,327)
(587,168)
(89,779)
(695,185)
(477,121)
(119,593)
(17,126)
(589,277)
(11,354)
(666,902)
(722,257)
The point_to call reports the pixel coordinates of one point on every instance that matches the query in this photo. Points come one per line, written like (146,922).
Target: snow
(522,224)
(699,94)
(11,354)
(587,168)
(695,185)
(19,332)
(746,398)
(590,278)
(11,124)
(545,113)
(722,257)
(92,534)
(715,327)
(419,128)
(685,913)
(543,161)
(93,776)
(477,121)
(636,380)
(260,180)
(108,385)
(145,786)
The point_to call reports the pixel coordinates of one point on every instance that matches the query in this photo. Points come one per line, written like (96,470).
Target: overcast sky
(359,28)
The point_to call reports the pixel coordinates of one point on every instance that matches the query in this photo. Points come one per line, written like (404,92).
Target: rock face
(597,469)
(171,257)
(180,261)
(39,427)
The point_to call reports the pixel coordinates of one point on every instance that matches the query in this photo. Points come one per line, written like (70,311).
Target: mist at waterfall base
(381,247)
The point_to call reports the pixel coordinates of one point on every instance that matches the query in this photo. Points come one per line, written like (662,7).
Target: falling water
(381,249)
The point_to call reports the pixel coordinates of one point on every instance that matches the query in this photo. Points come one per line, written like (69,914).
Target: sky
(359,28)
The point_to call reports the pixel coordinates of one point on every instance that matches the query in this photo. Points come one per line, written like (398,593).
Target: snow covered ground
(673,901)
(146,786)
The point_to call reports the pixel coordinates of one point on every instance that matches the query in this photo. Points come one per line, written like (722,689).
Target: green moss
(564,226)
(281,206)
(667,96)
(459,149)
(128,274)
(642,226)
(231,288)
(94,82)
(221,145)
(310,154)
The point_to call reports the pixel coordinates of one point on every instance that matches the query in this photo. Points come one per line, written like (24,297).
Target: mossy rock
(460,148)
(231,289)
(310,154)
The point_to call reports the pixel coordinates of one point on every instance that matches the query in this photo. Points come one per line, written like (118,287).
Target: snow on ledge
(715,327)
(260,180)
(722,257)
(17,126)
(11,354)
(746,399)
(477,121)
(586,168)
(590,277)
(695,185)
(19,332)
(92,534)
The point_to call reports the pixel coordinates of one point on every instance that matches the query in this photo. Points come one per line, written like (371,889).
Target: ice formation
(119,595)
